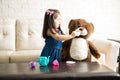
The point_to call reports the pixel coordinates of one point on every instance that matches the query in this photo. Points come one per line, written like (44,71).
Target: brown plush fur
(92,50)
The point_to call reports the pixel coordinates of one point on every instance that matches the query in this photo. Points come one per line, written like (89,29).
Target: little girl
(53,35)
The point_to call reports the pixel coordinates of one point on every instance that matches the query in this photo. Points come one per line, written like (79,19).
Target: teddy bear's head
(85,27)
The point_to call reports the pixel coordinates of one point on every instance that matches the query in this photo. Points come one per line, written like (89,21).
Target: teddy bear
(79,48)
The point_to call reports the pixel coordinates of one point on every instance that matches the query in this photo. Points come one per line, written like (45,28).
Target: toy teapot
(43,60)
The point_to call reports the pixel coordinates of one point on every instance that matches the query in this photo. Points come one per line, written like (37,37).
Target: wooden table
(77,71)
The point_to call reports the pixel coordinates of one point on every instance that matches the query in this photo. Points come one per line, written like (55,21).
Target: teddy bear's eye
(78,26)
(81,28)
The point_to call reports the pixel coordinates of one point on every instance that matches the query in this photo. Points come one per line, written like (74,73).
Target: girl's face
(57,21)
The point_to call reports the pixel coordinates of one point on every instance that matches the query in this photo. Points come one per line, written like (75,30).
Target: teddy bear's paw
(98,56)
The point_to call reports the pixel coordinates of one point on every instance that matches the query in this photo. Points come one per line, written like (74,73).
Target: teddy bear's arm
(94,51)
(65,50)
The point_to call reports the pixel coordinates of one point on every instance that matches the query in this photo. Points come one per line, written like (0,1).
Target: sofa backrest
(7,34)
(29,34)
(21,34)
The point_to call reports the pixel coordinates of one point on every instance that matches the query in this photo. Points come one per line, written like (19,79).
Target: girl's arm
(61,37)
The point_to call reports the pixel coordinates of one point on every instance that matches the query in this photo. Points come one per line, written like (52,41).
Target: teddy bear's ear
(71,23)
(92,27)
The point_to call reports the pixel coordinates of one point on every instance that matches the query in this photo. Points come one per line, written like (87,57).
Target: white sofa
(21,41)
(109,52)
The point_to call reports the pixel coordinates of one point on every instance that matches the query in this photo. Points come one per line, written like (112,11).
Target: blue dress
(52,48)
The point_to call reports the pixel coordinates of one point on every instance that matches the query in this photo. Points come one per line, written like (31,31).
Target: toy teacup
(43,60)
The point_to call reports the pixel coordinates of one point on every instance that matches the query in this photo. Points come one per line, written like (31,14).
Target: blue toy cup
(43,60)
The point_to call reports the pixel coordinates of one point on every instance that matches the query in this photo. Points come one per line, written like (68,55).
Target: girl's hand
(78,31)
(75,33)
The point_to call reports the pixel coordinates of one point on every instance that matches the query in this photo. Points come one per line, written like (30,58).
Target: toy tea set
(43,61)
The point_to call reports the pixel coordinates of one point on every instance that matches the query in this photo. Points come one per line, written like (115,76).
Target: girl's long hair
(49,23)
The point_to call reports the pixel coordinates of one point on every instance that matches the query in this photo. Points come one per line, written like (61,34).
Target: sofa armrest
(110,49)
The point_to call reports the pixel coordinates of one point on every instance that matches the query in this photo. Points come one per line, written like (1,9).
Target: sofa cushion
(4,56)
(29,34)
(25,56)
(103,45)
(7,34)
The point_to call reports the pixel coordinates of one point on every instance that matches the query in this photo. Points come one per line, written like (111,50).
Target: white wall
(104,14)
